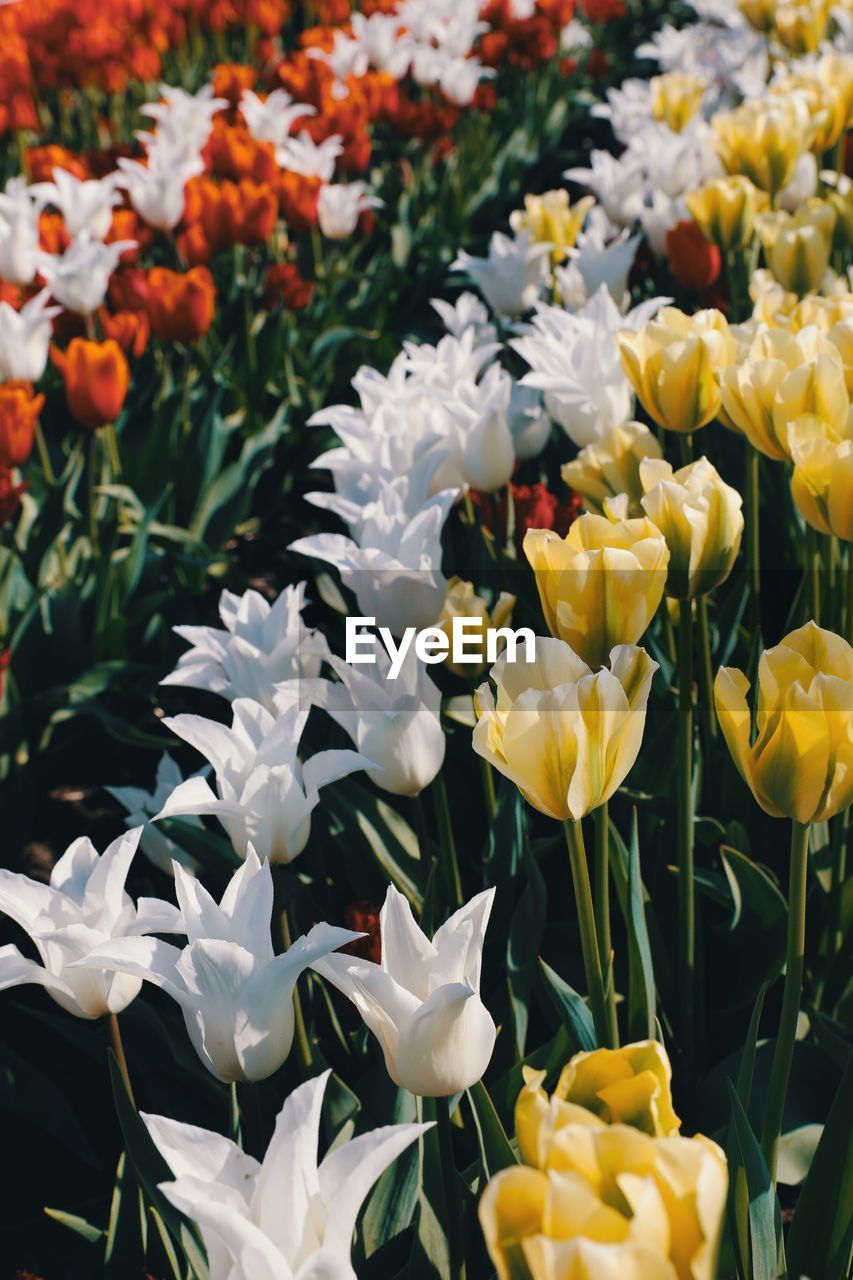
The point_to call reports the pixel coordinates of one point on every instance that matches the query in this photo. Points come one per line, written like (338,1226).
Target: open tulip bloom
(290,1216)
(423,1001)
(84,907)
(236,995)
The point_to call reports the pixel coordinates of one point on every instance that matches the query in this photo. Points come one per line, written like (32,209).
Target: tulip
(763,140)
(19,233)
(462,601)
(551,219)
(158,191)
(261,651)
(235,994)
(141,806)
(291,1216)
(86,204)
(781,376)
(600,585)
(800,27)
(19,411)
(758,13)
(611,1203)
(606,473)
(339,207)
(700,517)
(96,377)
(264,795)
(671,364)
(423,1002)
(675,98)
(80,277)
(130,329)
(25,338)
(513,276)
(725,209)
(827,98)
(822,482)
(796,765)
(797,246)
(694,261)
(83,908)
(181,306)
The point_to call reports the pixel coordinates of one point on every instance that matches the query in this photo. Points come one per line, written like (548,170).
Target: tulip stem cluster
(686,886)
(784,1053)
(589,933)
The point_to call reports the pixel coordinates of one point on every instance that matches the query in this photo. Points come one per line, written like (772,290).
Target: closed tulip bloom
(780,369)
(612,1203)
(725,209)
(96,377)
(181,305)
(600,585)
(822,483)
(675,98)
(671,363)
(550,218)
(423,1001)
(827,98)
(609,468)
(566,737)
(797,245)
(799,764)
(800,27)
(19,411)
(25,338)
(764,139)
(462,601)
(700,517)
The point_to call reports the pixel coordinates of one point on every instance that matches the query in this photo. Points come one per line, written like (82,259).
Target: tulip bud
(725,209)
(797,246)
(19,411)
(675,99)
(601,584)
(671,362)
(798,764)
(96,377)
(462,602)
(551,218)
(822,483)
(565,737)
(700,517)
(611,466)
(763,140)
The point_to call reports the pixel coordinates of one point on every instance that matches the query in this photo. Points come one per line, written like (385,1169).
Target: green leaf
(738,1198)
(525,935)
(571,1009)
(495,1149)
(763,1215)
(78,1225)
(124,1248)
(820,1242)
(642,1009)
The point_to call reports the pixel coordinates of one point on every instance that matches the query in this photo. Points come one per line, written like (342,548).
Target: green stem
(452,1203)
(118,1050)
(813,574)
(686,890)
(300,1033)
(784,1052)
(449,861)
(91,495)
(601,890)
(706,678)
(488,777)
(839,870)
(751,521)
(44,456)
(588,932)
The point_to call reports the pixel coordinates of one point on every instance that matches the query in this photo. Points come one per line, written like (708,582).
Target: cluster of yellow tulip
(608,1188)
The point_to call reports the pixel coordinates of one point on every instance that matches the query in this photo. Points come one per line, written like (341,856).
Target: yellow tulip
(700,517)
(758,13)
(800,27)
(610,467)
(764,139)
(797,245)
(566,737)
(822,483)
(670,364)
(751,387)
(611,1195)
(800,763)
(461,601)
(836,71)
(550,217)
(631,1085)
(675,98)
(841,337)
(725,209)
(772,305)
(817,388)
(840,196)
(600,585)
(826,99)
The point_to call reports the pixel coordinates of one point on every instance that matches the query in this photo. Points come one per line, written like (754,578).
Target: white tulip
(25,338)
(142,806)
(423,1002)
(467,312)
(84,906)
(19,233)
(459,78)
(339,207)
(387,45)
(289,1217)
(183,119)
(158,190)
(301,154)
(513,276)
(236,995)
(601,260)
(86,204)
(396,722)
(262,646)
(617,183)
(264,795)
(528,421)
(346,58)
(79,279)
(271,119)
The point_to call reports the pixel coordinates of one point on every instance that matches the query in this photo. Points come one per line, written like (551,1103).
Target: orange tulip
(19,410)
(180,306)
(130,329)
(96,376)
